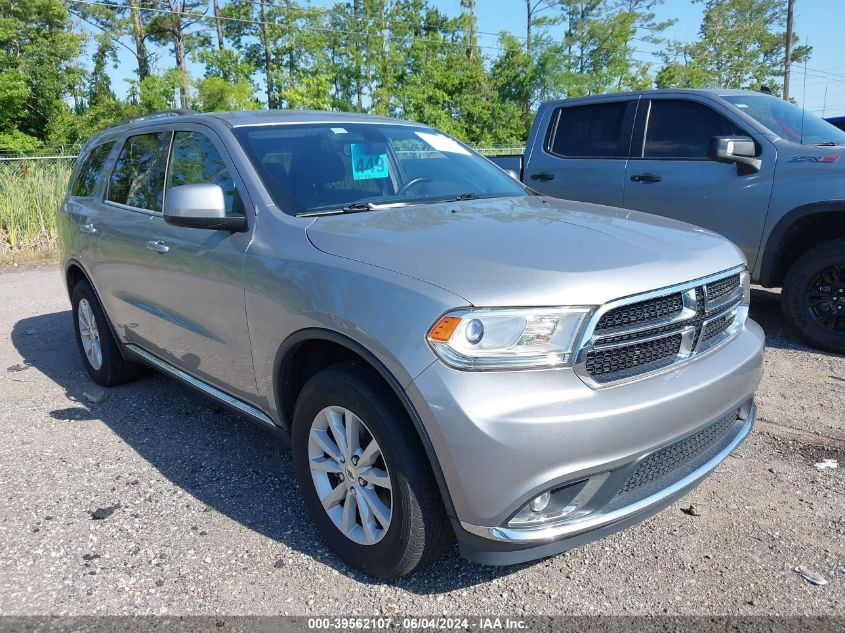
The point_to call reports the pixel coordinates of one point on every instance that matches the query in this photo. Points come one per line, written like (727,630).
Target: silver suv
(448,353)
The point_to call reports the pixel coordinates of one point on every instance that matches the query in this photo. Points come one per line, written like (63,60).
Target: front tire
(363,474)
(97,346)
(814,296)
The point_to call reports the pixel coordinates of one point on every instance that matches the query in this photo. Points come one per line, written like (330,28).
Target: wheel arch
(798,230)
(74,273)
(307,351)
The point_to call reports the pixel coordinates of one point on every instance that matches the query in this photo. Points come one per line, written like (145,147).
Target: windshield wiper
(354,207)
(467,196)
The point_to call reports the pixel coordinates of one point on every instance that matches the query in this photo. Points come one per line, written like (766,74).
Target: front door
(195,276)
(669,173)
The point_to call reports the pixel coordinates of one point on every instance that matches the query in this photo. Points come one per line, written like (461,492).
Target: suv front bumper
(503,438)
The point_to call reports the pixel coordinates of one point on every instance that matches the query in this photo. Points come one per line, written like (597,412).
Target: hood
(528,251)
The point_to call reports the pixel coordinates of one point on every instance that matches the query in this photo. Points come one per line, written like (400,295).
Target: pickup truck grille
(648,333)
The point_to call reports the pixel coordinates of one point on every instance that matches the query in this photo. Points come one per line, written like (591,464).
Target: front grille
(664,461)
(716,327)
(647,335)
(630,356)
(718,289)
(642,312)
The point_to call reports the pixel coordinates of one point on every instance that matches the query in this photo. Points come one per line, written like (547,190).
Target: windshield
(788,120)
(325,167)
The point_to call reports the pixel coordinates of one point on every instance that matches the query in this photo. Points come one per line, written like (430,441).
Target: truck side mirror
(740,150)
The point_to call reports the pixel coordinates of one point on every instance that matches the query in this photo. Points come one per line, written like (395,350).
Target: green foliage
(215,94)
(37,63)
(741,45)
(30,194)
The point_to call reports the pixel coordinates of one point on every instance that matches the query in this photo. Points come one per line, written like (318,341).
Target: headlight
(507,338)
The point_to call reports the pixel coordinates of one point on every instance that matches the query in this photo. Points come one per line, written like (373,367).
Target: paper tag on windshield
(442,143)
(367,166)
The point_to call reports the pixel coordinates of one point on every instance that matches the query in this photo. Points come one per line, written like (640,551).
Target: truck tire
(99,350)
(814,296)
(378,508)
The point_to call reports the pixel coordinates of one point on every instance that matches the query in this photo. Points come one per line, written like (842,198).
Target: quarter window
(195,160)
(592,131)
(137,179)
(91,171)
(683,129)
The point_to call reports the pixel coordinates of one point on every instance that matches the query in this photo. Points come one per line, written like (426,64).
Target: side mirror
(740,150)
(200,206)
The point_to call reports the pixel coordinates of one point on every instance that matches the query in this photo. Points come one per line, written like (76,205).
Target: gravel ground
(203,514)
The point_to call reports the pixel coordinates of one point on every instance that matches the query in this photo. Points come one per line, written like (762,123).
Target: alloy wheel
(89,334)
(350,475)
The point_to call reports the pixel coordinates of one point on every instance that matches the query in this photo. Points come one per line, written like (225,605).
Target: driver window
(195,160)
(683,129)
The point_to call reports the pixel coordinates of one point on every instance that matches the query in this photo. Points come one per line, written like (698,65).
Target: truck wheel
(814,296)
(363,474)
(98,348)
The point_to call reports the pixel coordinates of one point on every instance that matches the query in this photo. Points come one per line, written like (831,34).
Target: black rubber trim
(319,334)
(771,251)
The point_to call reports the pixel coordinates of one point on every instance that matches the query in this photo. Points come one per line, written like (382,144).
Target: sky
(817,23)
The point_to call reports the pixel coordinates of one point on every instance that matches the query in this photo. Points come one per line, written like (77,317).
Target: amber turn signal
(444,329)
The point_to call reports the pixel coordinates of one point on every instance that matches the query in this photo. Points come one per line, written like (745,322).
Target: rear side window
(592,131)
(683,129)
(91,171)
(137,179)
(195,160)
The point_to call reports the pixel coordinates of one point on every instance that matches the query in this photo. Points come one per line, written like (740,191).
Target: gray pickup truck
(762,172)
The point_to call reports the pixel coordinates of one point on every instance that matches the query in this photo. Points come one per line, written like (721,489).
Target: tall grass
(30,195)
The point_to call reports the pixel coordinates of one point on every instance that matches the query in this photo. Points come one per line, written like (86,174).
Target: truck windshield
(323,167)
(788,120)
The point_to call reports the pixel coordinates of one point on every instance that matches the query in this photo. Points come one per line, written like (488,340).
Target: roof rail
(153,115)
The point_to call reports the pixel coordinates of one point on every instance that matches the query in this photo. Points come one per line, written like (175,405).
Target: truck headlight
(508,338)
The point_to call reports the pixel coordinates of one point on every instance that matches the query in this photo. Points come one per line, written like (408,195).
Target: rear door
(133,194)
(83,206)
(669,173)
(584,152)
(195,276)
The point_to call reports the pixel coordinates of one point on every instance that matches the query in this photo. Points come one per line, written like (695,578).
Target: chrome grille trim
(705,323)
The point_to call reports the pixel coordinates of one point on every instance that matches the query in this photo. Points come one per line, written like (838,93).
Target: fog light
(539,504)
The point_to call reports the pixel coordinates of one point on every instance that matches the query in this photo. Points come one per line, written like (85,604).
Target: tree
(741,45)
(216,94)
(38,68)
(595,54)
(171,25)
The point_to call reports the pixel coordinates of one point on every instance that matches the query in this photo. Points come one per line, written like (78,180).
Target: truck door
(582,155)
(669,173)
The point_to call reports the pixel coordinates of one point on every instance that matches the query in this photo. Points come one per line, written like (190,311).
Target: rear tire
(814,296)
(97,346)
(417,527)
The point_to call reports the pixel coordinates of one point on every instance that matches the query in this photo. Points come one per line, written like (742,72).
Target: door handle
(646,177)
(87,228)
(159,246)
(542,176)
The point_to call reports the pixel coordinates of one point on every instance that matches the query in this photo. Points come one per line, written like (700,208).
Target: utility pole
(787,62)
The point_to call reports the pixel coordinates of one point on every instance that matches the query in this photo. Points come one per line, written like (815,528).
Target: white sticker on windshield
(339,130)
(442,143)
